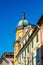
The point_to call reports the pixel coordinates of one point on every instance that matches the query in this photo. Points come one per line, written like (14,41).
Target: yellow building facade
(29,40)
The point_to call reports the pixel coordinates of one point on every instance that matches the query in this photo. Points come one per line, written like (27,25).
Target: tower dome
(23,23)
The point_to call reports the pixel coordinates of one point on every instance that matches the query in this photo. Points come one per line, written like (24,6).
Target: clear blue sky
(10,14)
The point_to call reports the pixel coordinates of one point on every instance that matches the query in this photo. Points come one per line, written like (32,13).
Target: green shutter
(22,55)
(28,49)
(25,52)
(37,37)
(32,60)
(32,43)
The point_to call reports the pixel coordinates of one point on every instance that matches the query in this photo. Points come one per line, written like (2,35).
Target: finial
(23,16)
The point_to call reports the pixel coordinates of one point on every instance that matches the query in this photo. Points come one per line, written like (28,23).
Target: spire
(23,16)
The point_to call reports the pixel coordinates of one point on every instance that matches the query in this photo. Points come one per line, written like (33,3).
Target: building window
(37,37)
(32,60)
(24,54)
(38,55)
(32,43)
(28,49)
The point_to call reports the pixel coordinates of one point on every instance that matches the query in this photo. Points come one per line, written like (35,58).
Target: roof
(8,55)
(40,21)
(0,60)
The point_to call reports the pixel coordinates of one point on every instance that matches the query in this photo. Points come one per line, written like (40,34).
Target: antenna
(23,15)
